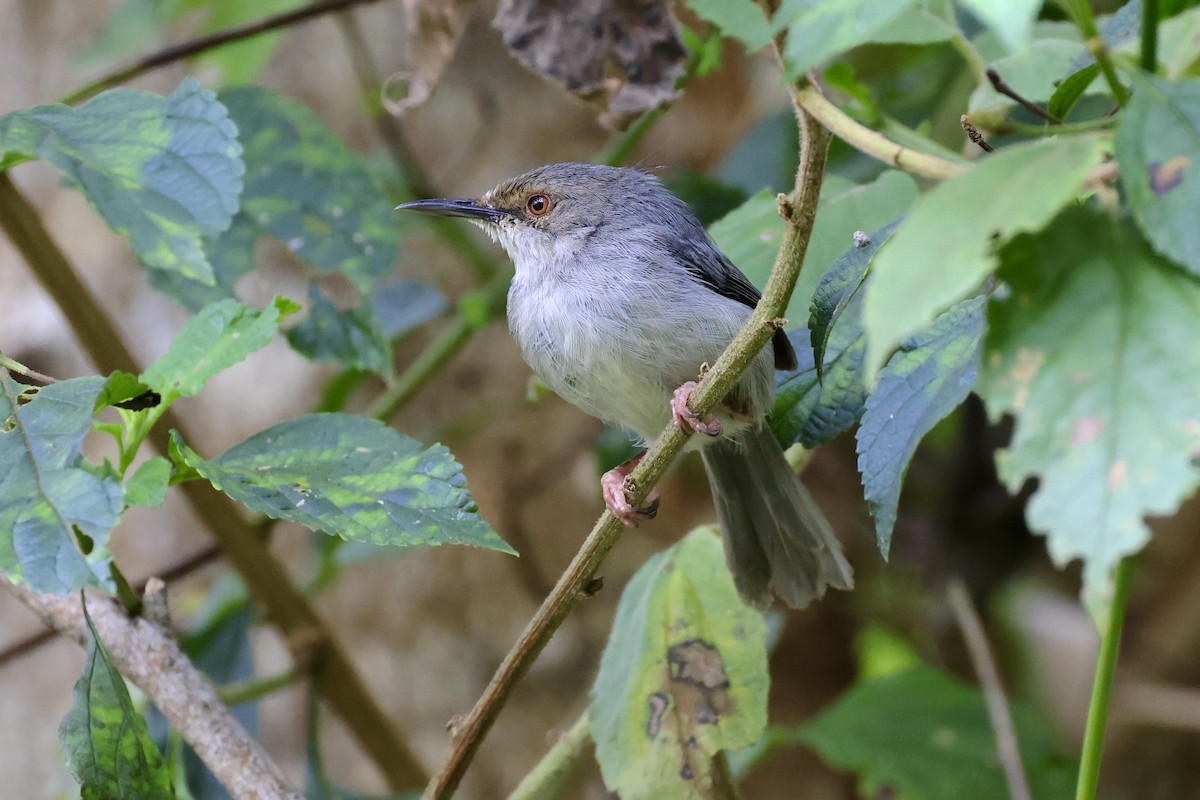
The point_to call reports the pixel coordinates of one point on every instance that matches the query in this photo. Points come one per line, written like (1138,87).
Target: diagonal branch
(268,582)
(201,44)
(147,654)
(799,210)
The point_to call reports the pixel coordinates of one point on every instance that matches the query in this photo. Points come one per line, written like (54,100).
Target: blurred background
(428,626)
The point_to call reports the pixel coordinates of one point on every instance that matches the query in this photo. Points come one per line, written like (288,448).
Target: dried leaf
(625,54)
(434,29)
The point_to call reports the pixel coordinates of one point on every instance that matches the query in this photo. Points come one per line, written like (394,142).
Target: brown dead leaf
(434,28)
(625,55)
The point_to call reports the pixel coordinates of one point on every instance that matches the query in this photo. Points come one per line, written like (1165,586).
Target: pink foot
(613,485)
(685,418)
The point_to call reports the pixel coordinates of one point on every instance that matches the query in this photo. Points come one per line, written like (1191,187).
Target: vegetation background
(427,626)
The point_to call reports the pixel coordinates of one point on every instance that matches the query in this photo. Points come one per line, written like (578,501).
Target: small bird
(618,299)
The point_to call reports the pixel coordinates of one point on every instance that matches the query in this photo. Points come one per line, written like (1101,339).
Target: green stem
(1149,59)
(800,212)
(1063,129)
(551,777)
(1106,665)
(1081,12)
(237,694)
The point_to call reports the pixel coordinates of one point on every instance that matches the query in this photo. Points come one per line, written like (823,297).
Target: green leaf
(921,734)
(163,172)
(120,387)
(354,477)
(404,305)
(108,746)
(683,676)
(148,486)
(1012,21)
(946,247)
(351,336)
(923,381)
(1031,72)
(46,491)
(750,234)
(1092,353)
(819,30)
(220,336)
(1158,147)
(741,19)
(232,256)
(826,394)
(1068,93)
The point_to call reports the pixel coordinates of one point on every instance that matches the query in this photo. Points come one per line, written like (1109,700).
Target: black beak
(469,209)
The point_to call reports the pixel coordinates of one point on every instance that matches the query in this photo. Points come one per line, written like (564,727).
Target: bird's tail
(775,535)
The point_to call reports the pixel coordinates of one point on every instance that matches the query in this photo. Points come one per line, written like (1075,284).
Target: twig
(551,776)
(1003,88)
(19,368)
(1149,54)
(871,142)
(201,44)
(149,656)
(974,135)
(713,386)
(973,635)
(268,582)
(1081,12)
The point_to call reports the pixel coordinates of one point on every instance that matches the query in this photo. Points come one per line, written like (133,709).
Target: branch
(201,44)
(714,385)
(993,691)
(1003,88)
(872,143)
(269,583)
(148,655)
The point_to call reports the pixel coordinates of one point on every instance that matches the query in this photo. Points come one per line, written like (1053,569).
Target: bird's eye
(538,205)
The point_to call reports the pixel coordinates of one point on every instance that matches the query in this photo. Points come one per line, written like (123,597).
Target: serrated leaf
(926,379)
(121,387)
(220,336)
(819,30)
(163,172)
(921,734)
(351,476)
(108,747)
(812,410)
(1012,21)
(840,286)
(351,336)
(1158,147)
(946,247)
(741,19)
(1031,72)
(683,676)
(232,256)
(1071,90)
(147,487)
(750,234)
(1093,353)
(46,492)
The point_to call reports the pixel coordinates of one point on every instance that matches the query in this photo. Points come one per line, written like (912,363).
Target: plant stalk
(1106,666)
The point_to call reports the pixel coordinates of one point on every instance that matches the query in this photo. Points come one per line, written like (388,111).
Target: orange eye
(538,205)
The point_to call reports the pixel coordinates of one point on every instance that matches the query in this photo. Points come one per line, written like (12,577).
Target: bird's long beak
(469,209)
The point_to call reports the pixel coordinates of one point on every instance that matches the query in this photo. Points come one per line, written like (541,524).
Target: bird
(618,298)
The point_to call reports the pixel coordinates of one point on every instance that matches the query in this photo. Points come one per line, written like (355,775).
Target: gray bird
(619,297)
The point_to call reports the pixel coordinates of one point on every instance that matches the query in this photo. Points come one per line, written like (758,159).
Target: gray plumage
(619,296)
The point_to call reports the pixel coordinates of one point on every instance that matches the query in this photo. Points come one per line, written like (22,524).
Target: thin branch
(201,44)
(800,210)
(552,776)
(871,142)
(1003,88)
(974,135)
(268,582)
(148,655)
(973,635)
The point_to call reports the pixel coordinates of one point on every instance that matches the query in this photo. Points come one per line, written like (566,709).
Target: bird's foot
(685,418)
(616,487)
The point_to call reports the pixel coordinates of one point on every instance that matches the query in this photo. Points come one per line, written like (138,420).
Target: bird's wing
(708,265)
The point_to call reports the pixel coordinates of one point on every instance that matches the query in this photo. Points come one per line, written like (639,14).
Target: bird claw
(683,416)
(616,495)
